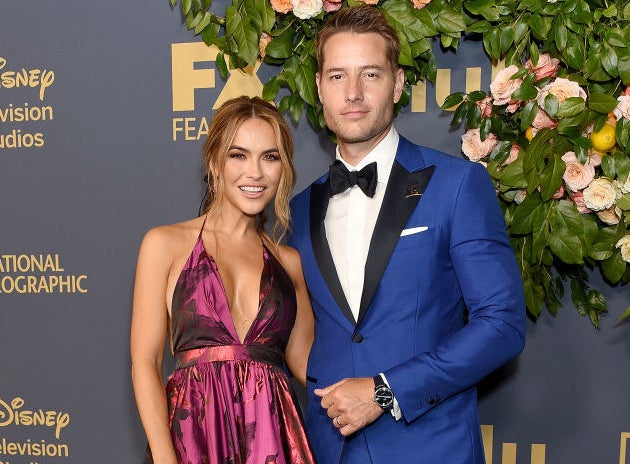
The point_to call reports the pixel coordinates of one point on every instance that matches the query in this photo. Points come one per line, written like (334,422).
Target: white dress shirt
(351,217)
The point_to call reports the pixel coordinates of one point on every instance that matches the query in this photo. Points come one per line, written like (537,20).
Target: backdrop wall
(102,113)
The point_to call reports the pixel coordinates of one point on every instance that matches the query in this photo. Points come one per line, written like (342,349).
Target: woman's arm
(149,325)
(301,337)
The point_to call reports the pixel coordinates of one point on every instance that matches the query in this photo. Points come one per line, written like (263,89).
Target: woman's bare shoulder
(290,259)
(169,239)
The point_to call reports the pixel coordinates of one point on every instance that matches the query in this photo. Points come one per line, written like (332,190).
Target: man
(414,284)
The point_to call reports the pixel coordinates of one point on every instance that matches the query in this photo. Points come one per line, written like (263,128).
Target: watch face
(384,397)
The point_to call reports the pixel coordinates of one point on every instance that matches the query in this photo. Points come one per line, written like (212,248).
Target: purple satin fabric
(230,402)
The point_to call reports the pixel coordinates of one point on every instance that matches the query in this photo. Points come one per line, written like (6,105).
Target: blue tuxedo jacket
(442,306)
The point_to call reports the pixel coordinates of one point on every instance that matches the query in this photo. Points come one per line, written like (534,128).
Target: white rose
(305,9)
(610,216)
(624,244)
(600,194)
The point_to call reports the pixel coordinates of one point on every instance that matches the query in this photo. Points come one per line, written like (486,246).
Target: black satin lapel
(404,190)
(319,205)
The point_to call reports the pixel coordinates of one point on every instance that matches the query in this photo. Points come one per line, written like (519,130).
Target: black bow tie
(341,179)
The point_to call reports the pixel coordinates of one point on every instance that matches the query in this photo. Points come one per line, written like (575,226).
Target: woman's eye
(237,155)
(272,157)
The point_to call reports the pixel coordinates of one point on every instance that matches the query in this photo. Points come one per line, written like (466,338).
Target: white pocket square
(413,230)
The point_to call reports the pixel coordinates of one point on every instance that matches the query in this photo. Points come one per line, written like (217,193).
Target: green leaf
(221,65)
(205,21)
(560,36)
(453,100)
(609,61)
(186,4)
(281,46)
(512,175)
(305,80)
(601,251)
(538,26)
(613,268)
(492,44)
(244,33)
(449,20)
(528,114)
(570,107)
(564,216)
(525,92)
(608,166)
(551,177)
(601,103)
(574,52)
(267,16)
(485,8)
(566,247)
(623,67)
(625,314)
(271,89)
(624,202)
(522,223)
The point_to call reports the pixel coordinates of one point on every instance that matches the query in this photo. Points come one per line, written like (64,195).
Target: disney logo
(13,414)
(33,78)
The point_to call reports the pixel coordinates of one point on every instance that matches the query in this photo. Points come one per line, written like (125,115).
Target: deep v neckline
(261,298)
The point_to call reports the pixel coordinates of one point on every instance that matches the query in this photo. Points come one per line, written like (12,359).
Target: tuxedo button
(357,338)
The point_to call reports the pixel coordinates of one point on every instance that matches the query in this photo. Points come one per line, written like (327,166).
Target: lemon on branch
(604,139)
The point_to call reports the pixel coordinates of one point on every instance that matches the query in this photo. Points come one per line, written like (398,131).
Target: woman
(234,304)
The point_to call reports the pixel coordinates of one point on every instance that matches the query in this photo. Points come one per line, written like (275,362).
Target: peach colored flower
(577,175)
(369,2)
(474,148)
(624,244)
(578,199)
(419,4)
(282,6)
(543,121)
(622,110)
(610,216)
(502,86)
(561,89)
(332,5)
(485,106)
(306,9)
(514,152)
(546,67)
(263,42)
(599,195)
(626,91)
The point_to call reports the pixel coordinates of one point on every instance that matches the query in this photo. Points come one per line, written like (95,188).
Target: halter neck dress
(230,401)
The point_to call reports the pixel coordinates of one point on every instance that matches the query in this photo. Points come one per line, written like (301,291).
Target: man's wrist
(383,395)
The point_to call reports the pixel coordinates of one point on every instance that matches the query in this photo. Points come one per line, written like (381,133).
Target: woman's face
(252,168)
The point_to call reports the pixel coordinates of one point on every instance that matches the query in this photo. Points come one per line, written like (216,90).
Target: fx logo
(185,78)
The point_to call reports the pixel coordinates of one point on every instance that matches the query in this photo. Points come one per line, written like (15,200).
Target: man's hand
(350,404)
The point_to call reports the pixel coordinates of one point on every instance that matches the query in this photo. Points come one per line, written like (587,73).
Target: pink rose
(419,4)
(578,199)
(622,110)
(577,175)
(594,159)
(514,152)
(503,86)
(546,67)
(306,9)
(561,89)
(485,106)
(476,149)
(626,91)
(332,5)
(543,121)
(282,6)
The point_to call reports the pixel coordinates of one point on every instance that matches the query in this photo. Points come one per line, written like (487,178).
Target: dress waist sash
(206,354)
